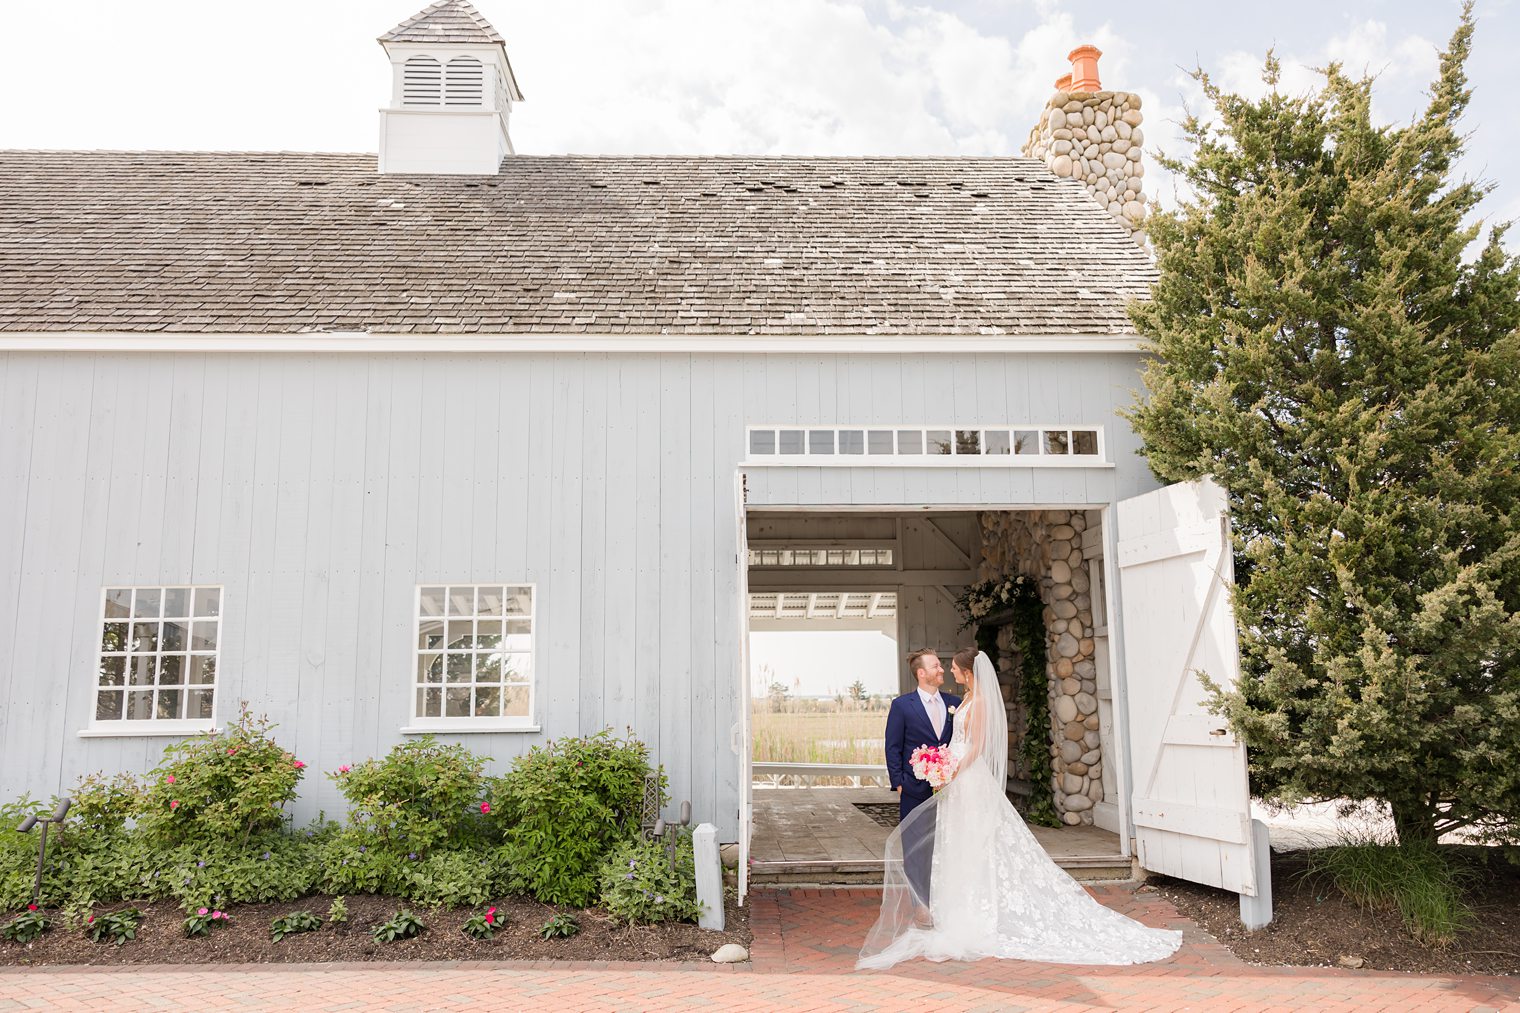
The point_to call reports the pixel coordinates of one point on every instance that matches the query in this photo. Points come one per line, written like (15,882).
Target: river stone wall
(1095,137)
(1047,545)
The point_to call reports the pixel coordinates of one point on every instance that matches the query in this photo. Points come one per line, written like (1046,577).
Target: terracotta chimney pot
(1084,69)
(1063,83)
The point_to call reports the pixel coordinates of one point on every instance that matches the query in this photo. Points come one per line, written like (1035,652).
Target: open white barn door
(1191,800)
(743,743)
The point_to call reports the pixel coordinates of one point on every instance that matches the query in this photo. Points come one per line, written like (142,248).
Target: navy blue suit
(908,727)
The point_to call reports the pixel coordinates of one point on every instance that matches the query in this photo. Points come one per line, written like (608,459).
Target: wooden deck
(819,835)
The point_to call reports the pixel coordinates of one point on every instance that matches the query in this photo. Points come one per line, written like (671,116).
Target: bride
(966,879)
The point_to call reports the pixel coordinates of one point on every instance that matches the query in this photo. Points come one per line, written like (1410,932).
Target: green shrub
(29,925)
(352,863)
(1421,882)
(91,857)
(640,887)
(116,927)
(18,854)
(422,795)
(563,807)
(228,787)
(560,927)
(337,911)
(103,805)
(452,878)
(404,925)
(272,867)
(293,924)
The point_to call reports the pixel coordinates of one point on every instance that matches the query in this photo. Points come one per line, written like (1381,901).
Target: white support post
(1256,912)
(704,842)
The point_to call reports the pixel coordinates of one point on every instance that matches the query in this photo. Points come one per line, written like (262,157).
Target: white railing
(800,775)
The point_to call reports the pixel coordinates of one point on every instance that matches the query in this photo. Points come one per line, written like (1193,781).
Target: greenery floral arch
(1014,601)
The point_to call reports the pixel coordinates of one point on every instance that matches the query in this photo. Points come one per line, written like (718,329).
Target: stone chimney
(1094,136)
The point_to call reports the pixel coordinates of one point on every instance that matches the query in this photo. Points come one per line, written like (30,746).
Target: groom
(923,717)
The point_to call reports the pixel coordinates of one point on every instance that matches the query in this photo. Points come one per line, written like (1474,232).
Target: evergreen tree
(1337,349)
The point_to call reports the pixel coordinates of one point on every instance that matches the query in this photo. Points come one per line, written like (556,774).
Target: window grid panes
(820,557)
(158,654)
(475,651)
(1049,444)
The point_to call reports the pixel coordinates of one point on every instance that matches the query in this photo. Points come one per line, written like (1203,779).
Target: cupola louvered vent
(465,82)
(422,82)
(451,94)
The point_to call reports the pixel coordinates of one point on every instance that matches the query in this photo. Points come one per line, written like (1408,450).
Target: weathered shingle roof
(111,241)
(445,21)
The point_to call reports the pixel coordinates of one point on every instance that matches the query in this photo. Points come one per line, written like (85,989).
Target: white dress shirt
(934,706)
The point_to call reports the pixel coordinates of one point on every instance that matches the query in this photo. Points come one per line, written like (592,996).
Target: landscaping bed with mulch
(246,939)
(1315,926)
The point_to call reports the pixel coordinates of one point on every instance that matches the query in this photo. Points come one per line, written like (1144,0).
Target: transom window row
(820,557)
(1042,441)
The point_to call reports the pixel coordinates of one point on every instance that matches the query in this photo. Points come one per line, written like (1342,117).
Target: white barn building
(474,442)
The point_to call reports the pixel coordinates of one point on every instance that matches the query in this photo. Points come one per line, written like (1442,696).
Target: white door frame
(1118,679)
(1116,633)
(744,744)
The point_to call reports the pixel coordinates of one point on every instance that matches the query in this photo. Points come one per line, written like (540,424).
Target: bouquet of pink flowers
(935,764)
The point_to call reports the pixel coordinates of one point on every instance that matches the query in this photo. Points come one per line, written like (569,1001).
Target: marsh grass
(1426,885)
(828,736)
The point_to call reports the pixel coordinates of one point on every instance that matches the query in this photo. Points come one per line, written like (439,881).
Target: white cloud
(787,77)
(1364,48)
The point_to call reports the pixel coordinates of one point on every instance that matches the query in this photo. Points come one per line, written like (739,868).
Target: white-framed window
(942,446)
(474,657)
(158,659)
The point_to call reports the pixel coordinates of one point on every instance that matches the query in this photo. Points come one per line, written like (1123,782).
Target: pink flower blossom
(169,779)
(344,769)
(90,920)
(217,914)
(300,764)
(201,911)
(33,907)
(230,752)
(174,804)
(485,807)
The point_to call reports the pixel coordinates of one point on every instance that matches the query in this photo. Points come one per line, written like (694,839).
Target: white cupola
(451,93)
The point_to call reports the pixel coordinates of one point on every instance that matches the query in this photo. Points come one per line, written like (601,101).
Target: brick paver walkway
(805,944)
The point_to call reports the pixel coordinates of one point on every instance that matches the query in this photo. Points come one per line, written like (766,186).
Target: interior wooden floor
(818,835)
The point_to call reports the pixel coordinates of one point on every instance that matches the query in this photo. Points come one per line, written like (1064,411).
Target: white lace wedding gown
(992,889)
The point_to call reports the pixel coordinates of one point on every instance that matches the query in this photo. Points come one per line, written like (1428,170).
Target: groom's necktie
(937,715)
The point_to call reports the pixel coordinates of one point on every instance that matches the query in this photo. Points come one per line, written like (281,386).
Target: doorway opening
(836,601)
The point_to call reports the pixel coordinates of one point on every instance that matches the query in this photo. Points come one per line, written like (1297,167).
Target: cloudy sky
(949,77)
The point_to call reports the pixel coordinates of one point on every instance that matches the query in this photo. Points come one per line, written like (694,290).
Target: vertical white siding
(319,490)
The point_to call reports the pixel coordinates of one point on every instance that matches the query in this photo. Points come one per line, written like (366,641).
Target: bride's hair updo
(965,658)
